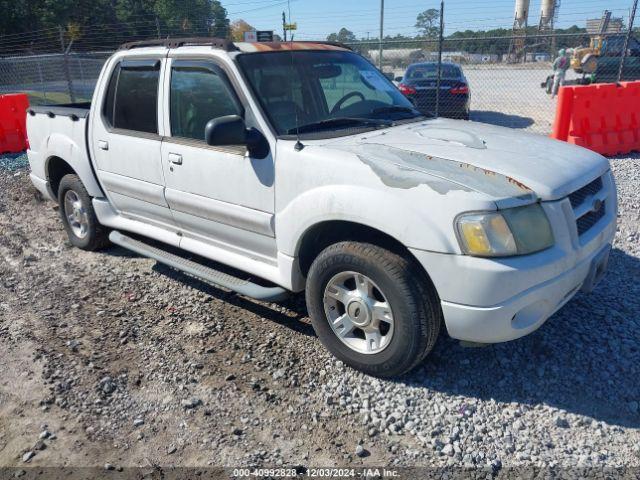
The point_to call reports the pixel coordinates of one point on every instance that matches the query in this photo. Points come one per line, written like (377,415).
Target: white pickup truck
(299,166)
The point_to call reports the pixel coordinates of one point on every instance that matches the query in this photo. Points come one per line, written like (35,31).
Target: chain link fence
(52,78)
(509,79)
(502,80)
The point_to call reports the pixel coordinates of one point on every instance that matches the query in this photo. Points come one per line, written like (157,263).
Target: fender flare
(61,146)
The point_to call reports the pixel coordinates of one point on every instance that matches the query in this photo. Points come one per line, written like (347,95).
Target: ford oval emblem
(597,205)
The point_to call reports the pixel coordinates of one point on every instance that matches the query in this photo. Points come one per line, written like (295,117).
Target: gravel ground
(112,359)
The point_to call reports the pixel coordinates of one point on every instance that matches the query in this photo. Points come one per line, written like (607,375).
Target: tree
(343,36)
(137,19)
(220,20)
(184,16)
(18,16)
(428,23)
(57,13)
(238,28)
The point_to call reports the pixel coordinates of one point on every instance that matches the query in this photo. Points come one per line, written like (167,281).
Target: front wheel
(78,217)
(372,308)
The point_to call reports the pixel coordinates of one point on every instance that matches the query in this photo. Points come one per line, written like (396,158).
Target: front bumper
(525,312)
(496,300)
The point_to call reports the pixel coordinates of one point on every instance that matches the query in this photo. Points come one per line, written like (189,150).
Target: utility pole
(440,39)
(626,39)
(65,64)
(381,34)
(284,26)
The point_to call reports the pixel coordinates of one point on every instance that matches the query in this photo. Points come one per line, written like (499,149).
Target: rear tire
(401,301)
(79,217)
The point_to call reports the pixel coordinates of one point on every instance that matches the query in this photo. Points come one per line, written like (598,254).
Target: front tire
(372,308)
(79,217)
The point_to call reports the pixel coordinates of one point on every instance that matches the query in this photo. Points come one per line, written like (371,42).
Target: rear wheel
(373,309)
(78,216)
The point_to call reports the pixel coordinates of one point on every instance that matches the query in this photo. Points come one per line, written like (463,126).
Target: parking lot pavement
(129,363)
(511,98)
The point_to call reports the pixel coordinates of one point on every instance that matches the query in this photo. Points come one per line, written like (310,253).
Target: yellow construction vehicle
(606,41)
(606,48)
(585,59)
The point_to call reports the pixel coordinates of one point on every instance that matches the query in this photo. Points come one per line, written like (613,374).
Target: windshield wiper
(396,108)
(339,122)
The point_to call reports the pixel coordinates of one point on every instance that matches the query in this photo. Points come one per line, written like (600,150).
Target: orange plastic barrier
(604,117)
(13,122)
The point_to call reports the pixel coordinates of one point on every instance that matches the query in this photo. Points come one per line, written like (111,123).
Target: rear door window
(136,96)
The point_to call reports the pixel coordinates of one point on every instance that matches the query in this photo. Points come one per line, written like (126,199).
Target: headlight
(514,231)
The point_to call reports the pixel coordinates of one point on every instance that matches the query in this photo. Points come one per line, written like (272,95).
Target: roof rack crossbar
(221,43)
(325,42)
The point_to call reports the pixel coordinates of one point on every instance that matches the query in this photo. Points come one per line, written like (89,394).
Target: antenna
(298,146)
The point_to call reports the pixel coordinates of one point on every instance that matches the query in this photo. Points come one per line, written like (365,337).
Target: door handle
(175,159)
(102,145)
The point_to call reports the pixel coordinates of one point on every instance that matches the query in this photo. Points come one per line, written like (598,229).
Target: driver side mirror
(232,130)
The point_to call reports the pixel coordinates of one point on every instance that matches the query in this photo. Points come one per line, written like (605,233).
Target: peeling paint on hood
(501,162)
(398,168)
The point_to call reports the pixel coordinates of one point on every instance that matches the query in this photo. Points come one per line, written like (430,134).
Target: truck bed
(59,131)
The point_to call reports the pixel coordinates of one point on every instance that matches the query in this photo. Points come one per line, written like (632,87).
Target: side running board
(238,285)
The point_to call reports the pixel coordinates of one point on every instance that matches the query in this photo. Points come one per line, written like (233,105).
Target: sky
(317,18)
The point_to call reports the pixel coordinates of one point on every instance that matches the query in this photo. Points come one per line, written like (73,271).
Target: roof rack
(333,44)
(221,43)
(313,42)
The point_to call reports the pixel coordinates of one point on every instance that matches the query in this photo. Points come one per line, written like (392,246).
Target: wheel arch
(323,234)
(64,155)
(56,168)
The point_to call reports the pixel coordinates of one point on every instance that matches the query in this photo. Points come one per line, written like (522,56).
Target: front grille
(585,222)
(588,193)
(579,196)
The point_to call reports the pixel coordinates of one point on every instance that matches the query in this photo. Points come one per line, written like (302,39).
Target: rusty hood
(511,166)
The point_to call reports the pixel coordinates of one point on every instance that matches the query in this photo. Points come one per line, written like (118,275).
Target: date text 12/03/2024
(317,473)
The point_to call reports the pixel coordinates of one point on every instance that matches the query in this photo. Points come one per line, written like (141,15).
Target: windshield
(323,90)
(430,70)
